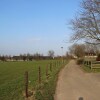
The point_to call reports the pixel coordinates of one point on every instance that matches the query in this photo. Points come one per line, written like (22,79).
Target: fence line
(92,64)
(50,67)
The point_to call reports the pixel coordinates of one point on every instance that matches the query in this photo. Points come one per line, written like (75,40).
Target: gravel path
(74,84)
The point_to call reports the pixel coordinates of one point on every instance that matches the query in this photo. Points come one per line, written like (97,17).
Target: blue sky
(30,26)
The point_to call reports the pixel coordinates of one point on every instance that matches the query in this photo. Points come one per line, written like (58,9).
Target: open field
(12,77)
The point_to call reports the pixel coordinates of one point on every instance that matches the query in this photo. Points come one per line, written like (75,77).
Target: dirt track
(74,84)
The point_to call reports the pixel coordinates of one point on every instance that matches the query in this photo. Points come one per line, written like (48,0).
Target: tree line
(27,57)
(31,57)
(81,50)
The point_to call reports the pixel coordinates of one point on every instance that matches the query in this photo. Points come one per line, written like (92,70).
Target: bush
(80,61)
(98,58)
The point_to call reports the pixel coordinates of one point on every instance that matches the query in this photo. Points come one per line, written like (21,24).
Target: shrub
(98,58)
(80,61)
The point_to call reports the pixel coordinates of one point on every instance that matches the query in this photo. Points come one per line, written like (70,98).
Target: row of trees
(24,57)
(28,57)
(81,50)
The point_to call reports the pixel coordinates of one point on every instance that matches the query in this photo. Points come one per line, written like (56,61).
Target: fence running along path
(92,64)
(49,67)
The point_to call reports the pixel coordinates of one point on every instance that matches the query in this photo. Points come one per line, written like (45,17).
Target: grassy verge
(89,70)
(46,91)
(87,65)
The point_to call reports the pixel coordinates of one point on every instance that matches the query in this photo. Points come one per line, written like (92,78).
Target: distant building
(91,55)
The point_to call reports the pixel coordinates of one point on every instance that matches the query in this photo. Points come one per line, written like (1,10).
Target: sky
(31,26)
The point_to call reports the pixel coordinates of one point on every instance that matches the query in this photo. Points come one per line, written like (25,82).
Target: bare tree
(87,24)
(89,48)
(51,53)
(77,50)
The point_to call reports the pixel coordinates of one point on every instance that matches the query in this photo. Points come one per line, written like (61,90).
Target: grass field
(12,77)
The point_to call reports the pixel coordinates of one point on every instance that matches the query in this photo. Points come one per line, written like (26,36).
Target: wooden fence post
(26,84)
(87,63)
(84,62)
(59,63)
(39,76)
(91,64)
(51,67)
(55,64)
(47,72)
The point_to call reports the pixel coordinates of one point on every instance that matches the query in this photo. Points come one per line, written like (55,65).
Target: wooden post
(39,75)
(51,67)
(91,64)
(87,63)
(26,84)
(47,72)
(84,62)
(55,64)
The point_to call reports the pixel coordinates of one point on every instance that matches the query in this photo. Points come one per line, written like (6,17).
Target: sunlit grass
(12,77)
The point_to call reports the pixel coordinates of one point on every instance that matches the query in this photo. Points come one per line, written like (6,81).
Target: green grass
(12,78)
(46,91)
(88,69)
